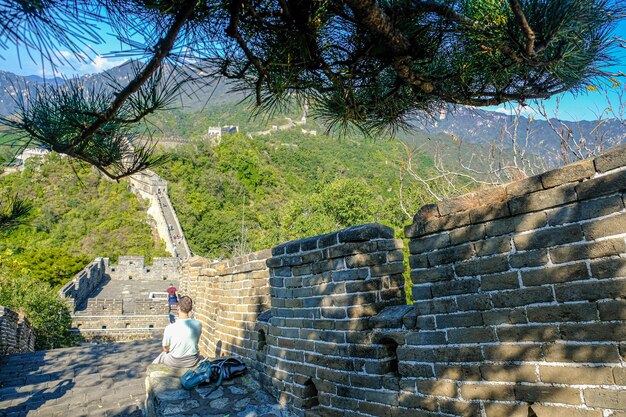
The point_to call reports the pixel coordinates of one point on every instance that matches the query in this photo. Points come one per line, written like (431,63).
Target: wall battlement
(518,306)
(16,333)
(111,302)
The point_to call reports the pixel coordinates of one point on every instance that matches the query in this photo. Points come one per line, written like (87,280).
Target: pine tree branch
(162,50)
(377,22)
(523,23)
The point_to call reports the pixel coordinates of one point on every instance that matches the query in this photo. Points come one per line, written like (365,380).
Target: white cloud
(79,65)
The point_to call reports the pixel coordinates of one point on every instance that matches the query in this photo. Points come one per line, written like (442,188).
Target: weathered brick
(459,320)
(612,158)
(549,237)
(562,313)
(467,234)
(612,310)
(554,411)
(608,226)
(365,232)
(508,410)
(542,200)
(474,302)
(443,273)
(418,261)
(464,286)
(350,274)
(604,398)
(450,255)
(438,388)
(352,248)
(555,274)
(513,352)
(409,400)
(619,376)
(422,292)
(591,290)
(521,297)
(427,212)
(488,392)
(524,186)
(528,333)
(415,370)
(493,246)
(387,269)
(489,212)
(596,353)
(505,316)
(591,250)
(568,173)
(489,265)
(457,372)
(568,375)
(504,281)
(583,210)
(421,337)
(437,224)
(459,408)
(594,331)
(516,224)
(472,335)
(430,243)
(366,259)
(529,258)
(436,306)
(608,268)
(536,393)
(441,354)
(509,373)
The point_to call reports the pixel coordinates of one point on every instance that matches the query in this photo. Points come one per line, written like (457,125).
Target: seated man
(180,339)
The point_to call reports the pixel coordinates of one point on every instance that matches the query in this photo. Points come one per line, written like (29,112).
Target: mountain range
(468,124)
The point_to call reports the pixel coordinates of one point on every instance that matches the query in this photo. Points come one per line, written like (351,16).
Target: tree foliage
(35,299)
(365,63)
(76,215)
(286,186)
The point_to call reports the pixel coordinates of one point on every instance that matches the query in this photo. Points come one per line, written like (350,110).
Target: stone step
(98,380)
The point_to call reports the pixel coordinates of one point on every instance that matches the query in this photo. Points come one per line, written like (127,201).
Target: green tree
(365,63)
(35,299)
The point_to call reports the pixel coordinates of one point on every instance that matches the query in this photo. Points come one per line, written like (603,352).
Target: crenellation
(16,333)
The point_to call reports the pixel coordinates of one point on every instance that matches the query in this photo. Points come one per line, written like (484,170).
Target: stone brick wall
(228,297)
(519,291)
(518,306)
(78,289)
(16,333)
(133,267)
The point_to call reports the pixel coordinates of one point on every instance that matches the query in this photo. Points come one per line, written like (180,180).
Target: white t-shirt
(182,337)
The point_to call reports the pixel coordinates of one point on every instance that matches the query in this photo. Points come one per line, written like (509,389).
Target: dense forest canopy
(364,63)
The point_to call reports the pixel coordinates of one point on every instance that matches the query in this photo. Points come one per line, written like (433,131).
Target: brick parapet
(16,333)
(520,294)
(77,291)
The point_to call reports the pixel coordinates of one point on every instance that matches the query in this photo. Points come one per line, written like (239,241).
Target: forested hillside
(77,215)
(285,186)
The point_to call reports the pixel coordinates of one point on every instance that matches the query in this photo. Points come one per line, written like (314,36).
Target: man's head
(185,304)
(171,285)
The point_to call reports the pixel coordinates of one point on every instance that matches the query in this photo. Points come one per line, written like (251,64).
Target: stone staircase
(97,380)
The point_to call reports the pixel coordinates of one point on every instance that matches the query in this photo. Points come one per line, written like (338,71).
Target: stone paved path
(97,380)
(107,380)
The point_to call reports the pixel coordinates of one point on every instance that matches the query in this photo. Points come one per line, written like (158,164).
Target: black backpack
(208,371)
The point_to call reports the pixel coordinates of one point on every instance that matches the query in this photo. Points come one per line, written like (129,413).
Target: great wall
(518,311)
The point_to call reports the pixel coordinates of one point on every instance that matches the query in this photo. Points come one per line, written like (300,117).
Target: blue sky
(584,106)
